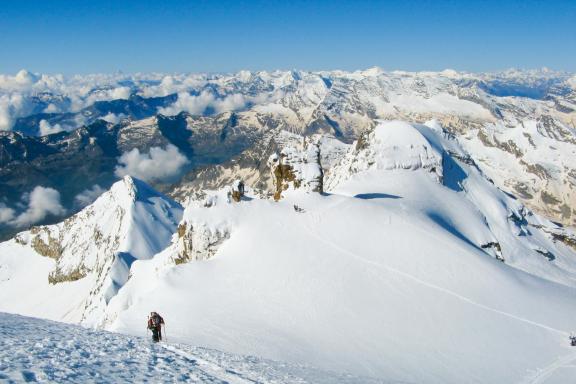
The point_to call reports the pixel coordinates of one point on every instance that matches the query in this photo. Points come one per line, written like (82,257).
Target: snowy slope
(414,267)
(76,267)
(478,212)
(395,274)
(360,286)
(42,351)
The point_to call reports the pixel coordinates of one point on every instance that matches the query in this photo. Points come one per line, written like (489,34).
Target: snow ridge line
(313,233)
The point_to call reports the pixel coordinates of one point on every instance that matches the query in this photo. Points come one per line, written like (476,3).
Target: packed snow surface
(42,351)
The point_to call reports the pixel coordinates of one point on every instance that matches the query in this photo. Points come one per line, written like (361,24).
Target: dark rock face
(134,108)
(495,248)
(72,162)
(237,191)
(287,168)
(250,164)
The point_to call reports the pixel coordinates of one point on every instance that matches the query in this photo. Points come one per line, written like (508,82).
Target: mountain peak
(388,146)
(127,186)
(99,244)
(129,189)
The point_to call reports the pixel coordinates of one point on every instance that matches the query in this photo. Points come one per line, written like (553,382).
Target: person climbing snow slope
(155,322)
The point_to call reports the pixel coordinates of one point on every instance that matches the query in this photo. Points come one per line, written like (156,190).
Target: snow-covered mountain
(85,260)
(404,261)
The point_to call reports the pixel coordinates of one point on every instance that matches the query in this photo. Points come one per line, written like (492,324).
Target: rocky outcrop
(198,241)
(493,248)
(57,276)
(297,167)
(44,243)
(237,191)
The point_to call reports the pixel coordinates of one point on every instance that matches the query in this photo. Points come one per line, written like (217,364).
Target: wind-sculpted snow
(375,284)
(42,351)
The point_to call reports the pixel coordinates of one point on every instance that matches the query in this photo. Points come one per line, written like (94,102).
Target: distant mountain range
(78,135)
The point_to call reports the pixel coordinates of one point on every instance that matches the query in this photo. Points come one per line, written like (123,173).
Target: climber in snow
(155,323)
(573,340)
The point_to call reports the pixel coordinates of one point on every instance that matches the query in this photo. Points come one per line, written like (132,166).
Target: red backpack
(156,320)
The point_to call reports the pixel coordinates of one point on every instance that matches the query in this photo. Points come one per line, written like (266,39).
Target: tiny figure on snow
(573,340)
(155,323)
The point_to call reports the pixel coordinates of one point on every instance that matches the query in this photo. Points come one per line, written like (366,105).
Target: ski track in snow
(543,374)
(540,376)
(335,246)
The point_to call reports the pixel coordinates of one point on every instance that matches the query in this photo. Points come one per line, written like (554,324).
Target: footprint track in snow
(415,279)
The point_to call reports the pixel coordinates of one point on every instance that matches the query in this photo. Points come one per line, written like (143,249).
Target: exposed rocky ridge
(254,169)
(297,167)
(198,241)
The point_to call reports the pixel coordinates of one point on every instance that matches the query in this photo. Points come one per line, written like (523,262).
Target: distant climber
(155,322)
(573,340)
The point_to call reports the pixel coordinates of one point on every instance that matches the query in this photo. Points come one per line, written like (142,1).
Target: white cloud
(22,80)
(196,105)
(6,213)
(572,82)
(41,202)
(113,118)
(5,117)
(88,195)
(51,108)
(11,107)
(18,93)
(47,129)
(120,93)
(157,165)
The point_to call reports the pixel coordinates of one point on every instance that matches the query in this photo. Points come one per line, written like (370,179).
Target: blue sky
(54,36)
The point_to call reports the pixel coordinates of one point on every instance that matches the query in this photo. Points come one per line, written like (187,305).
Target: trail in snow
(212,369)
(335,246)
(543,374)
(35,350)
